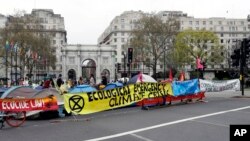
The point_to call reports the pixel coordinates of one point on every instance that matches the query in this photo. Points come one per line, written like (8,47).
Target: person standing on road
(59,81)
(92,80)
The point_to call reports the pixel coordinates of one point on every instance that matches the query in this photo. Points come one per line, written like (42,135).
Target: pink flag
(199,64)
(182,76)
(170,77)
(140,77)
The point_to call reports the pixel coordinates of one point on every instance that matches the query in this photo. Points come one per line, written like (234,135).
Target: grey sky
(85,20)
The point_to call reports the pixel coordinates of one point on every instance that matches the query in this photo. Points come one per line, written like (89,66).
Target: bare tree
(26,33)
(152,37)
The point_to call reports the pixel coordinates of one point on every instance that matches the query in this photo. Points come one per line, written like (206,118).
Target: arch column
(98,67)
(79,71)
(64,73)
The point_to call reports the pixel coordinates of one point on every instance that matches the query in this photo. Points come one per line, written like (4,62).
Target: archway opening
(88,67)
(106,73)
(72,74)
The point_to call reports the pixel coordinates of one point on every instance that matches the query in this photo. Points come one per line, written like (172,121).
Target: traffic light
(118,66)
(246,45)
(236,58)
(130,55)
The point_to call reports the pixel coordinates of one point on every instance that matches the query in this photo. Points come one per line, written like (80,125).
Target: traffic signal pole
(242,62)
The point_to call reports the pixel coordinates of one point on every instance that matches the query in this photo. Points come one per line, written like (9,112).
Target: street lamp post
(16,49)
(164,66)
(6,61)
(124,62)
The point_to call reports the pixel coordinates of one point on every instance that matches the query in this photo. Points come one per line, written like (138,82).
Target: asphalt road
(199,121)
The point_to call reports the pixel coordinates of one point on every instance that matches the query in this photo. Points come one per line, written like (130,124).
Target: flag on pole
(198,63)
(182,76)
(15,47)
(140,77)
(7,45)
(11,46)
(170,76)
(34,55)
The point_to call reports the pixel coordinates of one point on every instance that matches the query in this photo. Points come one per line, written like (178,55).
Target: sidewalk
(236,94)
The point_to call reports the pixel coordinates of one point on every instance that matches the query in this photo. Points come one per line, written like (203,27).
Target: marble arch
(74,56)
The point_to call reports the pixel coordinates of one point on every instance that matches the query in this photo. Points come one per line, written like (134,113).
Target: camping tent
(141,78)
(82,88)
(19,92)
(113,85)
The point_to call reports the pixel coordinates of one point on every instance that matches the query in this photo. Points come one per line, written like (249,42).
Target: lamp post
(164,66)
(6,61)
(124,63)
(16,49)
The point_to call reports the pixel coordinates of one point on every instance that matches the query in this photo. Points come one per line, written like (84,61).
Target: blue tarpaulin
(185,87)
(82,88)
(113,85)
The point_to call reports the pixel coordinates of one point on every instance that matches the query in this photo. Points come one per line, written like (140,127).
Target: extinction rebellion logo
(76,103)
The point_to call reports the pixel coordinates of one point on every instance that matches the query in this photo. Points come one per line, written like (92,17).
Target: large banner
(86,103)
(185,87)
(48,103)
(217,86)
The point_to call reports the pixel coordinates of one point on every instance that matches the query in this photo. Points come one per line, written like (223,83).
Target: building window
(221,34)
(222,28)
(190,22)
(221,41)
(61,42)
(54,42)
(115,27)
(197,22)
(220,22)
(115,34)
(115,40)
(244,28)
(105,60)
(211,22)
(242,22)
(122,20)
(122,33)
(204,22)
(72,60)
(123,40)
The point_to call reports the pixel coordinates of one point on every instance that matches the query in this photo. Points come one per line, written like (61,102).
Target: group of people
(90,81)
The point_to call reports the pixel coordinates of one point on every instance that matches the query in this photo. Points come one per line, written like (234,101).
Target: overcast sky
(85,20)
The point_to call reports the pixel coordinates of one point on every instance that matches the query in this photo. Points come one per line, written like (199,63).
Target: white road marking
(205,122)
(166,124)
(140,137)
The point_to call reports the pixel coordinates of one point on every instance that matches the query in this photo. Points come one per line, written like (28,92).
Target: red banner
(46,104)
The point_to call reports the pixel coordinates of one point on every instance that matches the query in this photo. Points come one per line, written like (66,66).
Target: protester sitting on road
(80,81)
(26,81)
(92,80)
